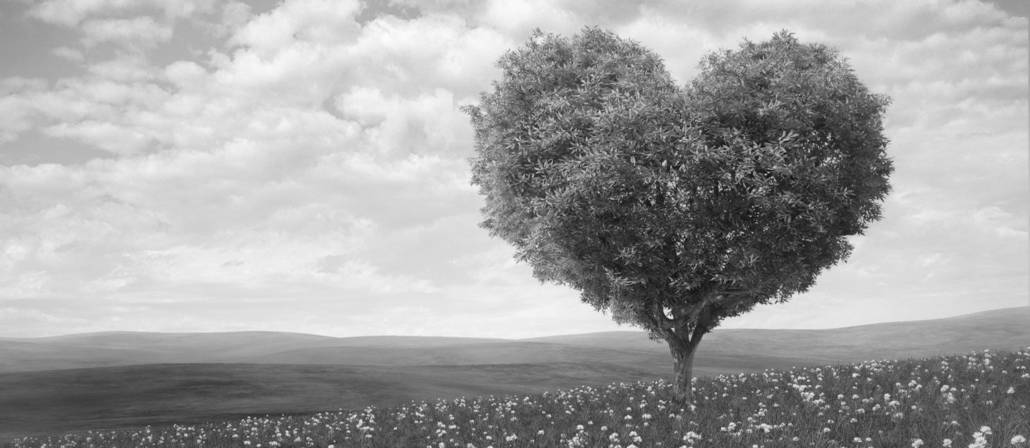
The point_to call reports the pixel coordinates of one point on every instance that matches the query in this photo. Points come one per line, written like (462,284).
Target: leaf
(752,176)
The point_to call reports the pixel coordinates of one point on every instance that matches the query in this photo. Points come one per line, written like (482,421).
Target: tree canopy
(675,207)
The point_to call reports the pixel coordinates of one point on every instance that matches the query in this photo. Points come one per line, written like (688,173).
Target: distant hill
(130,348)
(732,348)
(1001,329)
(118,379)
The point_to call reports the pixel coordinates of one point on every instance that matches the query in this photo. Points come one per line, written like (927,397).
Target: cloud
(71,13)
(104,135)
(16,118)
(68,53)
(427,122)
(135,32)
(310,161)
(519,17)
(322,22)
(185,74)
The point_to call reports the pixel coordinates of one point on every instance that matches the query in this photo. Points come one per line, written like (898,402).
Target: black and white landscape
(225,219)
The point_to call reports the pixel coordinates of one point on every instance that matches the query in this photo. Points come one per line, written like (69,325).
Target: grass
(118,397)
(976,400)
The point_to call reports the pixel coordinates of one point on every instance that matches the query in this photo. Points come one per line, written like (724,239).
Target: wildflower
(1017,440)
(946,443)
(980,437)
(917,443)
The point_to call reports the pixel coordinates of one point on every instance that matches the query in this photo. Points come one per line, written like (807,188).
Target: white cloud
(430,51)
(427,122)
(323,22)
(104,135)
(16,119)
(235,14)
(185,74)
(72,12)
(137,32)
(519,17)
(69,54)
(681,45)
(1002,223)
(122,68)
(313,160)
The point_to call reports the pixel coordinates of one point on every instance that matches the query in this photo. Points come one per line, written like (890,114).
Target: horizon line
(634,330)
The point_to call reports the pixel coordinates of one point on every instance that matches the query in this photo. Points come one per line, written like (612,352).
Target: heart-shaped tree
(674,208)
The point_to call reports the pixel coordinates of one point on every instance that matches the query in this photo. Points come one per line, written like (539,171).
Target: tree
(674,208)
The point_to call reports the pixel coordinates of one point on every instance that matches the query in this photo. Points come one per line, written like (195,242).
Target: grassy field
(115,397)
(977,400)
(180,381)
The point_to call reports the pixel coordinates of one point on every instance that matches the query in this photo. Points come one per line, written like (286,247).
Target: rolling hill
(1003,329)
(110,380)
(999,329)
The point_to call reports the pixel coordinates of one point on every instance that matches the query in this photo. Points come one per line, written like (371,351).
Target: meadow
(114,381)
(977,400)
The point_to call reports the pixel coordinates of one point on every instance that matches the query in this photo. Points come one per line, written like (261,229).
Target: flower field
(978,400)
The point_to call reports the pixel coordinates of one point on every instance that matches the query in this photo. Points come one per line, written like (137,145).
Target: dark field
(114,397)
(984,397)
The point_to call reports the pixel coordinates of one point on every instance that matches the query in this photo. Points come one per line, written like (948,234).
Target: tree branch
(663,324)
(658,314)
(728,298)
(701,326)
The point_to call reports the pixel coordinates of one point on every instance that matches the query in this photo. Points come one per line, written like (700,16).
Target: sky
(207,165)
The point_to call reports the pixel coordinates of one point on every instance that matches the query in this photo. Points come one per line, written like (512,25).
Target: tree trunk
(684,368)
(683,342)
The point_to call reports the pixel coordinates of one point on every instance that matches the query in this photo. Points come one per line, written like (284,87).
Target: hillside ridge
(991,312)
(999,329)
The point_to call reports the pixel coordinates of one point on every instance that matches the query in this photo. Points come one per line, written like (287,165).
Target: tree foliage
(675,207)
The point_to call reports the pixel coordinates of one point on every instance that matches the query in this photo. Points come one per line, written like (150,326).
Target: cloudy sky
(208,165)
